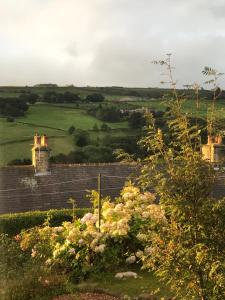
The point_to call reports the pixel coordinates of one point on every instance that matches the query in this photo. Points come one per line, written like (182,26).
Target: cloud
(108,42)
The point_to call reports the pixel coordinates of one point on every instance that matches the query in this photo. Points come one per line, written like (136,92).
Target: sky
(109,42)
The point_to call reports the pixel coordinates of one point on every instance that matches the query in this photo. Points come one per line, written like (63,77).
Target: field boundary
(43,126)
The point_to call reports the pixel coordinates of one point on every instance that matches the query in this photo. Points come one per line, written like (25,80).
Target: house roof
(21,190)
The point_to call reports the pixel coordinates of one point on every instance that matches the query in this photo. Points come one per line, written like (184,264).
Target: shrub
(25,278)
(82,138)
(10,119)
(105,127)
(95,97)
(71,129)
(81,247)
(187,252)
(12,224)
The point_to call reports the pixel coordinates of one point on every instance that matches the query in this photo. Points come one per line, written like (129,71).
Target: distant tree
(77,156)
(10,119)
(136,120)
(95,127)
(17,162)
(109,114)
(30,98)
(71,129)
(67,97)
(82,138)
(59,158)
(105,127)
(50,96)
(13,107)
(95,98)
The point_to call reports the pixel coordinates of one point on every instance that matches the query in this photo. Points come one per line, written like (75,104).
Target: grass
(63,118)
(54,121)
(146,283)
(188,106)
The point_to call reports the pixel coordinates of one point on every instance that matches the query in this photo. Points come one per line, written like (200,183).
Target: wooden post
(99,202)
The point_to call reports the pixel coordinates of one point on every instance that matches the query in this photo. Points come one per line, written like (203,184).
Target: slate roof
(21,190)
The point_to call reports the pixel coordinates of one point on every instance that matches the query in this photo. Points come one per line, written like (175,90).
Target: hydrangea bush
(80,247)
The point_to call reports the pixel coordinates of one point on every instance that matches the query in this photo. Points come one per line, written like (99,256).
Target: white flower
(145,214)
(48,261)
(148,250)
(89,218)
(100,248)
(33,253)
(57,229)
(72,251)
(118,207)
(131,259)
(81,241)
(139,253)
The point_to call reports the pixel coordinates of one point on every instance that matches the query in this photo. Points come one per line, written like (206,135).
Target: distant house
(141,110)
(42,186)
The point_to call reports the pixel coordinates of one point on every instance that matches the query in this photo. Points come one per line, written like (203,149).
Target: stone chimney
(214,150)
(40,155)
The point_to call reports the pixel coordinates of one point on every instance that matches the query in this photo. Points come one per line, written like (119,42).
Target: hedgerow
(12,224)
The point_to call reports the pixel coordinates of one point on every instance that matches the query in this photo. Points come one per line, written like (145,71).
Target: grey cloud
(99,42)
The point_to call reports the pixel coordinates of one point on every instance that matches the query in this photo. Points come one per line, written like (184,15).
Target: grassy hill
(55,119)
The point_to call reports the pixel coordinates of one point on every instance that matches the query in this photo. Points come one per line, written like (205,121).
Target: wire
(55,193)
(50,184)
(109,176)
(65,182)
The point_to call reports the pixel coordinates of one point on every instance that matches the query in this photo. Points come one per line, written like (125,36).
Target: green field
(17,137)
(55,119)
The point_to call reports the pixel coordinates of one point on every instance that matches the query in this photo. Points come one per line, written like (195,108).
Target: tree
(188,249)
(136,120)
(95,127)
(71,129)
(82,138)
(108,114)
(30,98)
(13,107)
(95,97)
(105,127)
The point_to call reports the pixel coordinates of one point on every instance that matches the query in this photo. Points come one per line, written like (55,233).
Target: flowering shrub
(80,247)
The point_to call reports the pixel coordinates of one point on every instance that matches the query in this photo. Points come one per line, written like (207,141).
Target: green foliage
(12,224)
(10,119)
(66,97)
(108,114)
(82,138)
(136,120)
(19,162)
(188,251)
(13,107)
(95,127)
(24,278)
(95,97)
(105,127)
(71,129)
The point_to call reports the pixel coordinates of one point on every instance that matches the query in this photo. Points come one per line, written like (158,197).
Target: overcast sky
(109,42)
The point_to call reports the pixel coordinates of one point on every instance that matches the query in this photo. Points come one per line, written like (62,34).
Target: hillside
(54,119)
